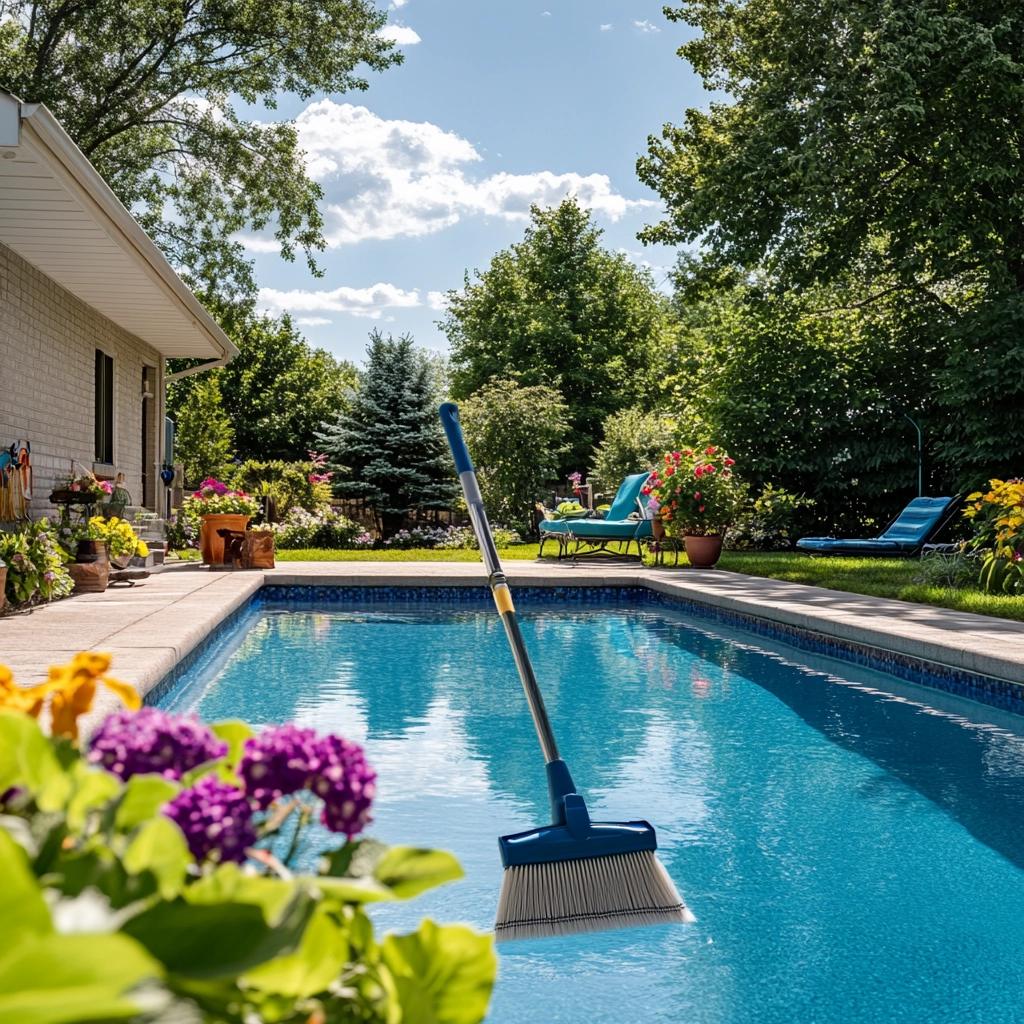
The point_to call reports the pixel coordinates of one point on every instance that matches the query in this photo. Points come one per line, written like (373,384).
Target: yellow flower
(73,689)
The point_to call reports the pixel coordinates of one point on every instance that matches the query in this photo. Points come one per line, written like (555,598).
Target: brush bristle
(623,890)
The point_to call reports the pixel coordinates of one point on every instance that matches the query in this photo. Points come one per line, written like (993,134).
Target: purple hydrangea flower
(279,761)
(345,783)
(216,818)
(136,742)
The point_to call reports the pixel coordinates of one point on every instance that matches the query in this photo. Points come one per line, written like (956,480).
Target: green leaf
(159,848)
(408,871)
(55,979)
(93,787)
(444,974)
(317,962)
(22,908)
(143,797)
(234,734)
(236,937)
(367,871)
(27,759)
(228,884)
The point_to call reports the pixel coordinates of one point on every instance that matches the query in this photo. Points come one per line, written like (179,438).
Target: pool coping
(151,629)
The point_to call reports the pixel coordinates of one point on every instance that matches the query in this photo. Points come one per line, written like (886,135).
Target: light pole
(920,453)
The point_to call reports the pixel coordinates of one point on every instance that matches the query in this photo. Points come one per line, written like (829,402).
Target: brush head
(594,893)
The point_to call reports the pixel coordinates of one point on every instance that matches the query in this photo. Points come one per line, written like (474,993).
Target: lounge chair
(593,536)
(905,537)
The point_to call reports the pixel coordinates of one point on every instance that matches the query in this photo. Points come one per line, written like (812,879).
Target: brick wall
(48,341)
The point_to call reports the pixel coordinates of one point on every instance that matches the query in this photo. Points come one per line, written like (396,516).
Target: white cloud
(545,14)
(402,35)
(370,302)
(399,3)
(313,321)
(646,26)
(437,300)
(392,178)
(606,27)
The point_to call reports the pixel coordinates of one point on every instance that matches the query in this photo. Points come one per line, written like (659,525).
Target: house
(90,310)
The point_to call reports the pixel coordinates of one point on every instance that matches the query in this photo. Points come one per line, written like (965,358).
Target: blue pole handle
(449,413)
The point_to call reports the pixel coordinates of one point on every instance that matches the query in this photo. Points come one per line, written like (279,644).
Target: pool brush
(574,875)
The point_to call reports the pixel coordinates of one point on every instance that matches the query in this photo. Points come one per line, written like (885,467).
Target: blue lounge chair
(593,536)
(905,536)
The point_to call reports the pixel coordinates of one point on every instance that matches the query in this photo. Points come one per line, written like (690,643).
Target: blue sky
(499,103)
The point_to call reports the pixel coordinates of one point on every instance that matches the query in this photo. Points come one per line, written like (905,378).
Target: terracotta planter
(210,544)
(3,583)
(703,552)
(92,551)
(90,577)
(657,529)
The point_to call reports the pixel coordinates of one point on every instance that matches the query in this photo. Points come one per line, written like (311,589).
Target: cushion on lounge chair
(911,528)
(599,529)
(627,496)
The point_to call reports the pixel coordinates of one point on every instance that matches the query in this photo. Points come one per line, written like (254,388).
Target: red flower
(670,470)
(688,452)
(676,456)
(700,508)
(710,450)
(709,468)
(645,490)
(698,471)
(696,495)
(728,461)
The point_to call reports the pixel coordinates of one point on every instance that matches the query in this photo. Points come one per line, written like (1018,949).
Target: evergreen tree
(204,440)
(389,448)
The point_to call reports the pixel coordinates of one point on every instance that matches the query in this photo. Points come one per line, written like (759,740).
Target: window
(104,408)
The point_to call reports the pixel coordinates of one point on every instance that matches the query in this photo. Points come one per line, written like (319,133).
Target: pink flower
(698,471)
(677,456)
(728,461)
(696,495)
(74,487)
(700,508)
(710,469)
(710,450)
(107,487)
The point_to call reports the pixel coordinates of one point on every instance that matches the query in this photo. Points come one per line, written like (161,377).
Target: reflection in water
(850,844)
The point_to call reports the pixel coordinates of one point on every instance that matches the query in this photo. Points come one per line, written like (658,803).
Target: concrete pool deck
(149,628)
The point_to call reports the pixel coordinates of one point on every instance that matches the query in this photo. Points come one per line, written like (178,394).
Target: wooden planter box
(90,577)
(210,544)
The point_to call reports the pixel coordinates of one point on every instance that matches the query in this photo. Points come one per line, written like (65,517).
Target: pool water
(851,844)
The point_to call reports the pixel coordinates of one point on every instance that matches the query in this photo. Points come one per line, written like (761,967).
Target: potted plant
(697,494)
(220,508)
(116,536)
(81,489)
(3,583)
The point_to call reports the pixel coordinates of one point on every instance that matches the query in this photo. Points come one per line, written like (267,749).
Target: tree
(388,448)
(516,436)
(634,440)
(879,143)
(150,90)
(559,310)
(204,440)
(277,391)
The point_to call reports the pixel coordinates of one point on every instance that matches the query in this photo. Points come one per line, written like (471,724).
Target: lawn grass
(880,577)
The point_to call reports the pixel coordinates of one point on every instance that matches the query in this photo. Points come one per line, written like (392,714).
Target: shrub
(997,517)
(449,538)
(323,528)
(634,440)
(216,498)
(774,521)
(288,484)
(35,564)
(952,570)
(158,841)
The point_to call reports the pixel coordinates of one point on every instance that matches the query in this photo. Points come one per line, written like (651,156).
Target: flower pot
(703,552)
(121,561)
(657,528)
(90,577)
(92,551)
(210,544)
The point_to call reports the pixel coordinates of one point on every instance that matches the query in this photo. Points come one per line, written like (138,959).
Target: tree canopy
(557,309)
(152,90)
(276,392)
(388,448)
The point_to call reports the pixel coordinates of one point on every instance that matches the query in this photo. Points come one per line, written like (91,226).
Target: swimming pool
(852,844)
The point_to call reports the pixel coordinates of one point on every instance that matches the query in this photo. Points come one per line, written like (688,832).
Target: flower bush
(449,538)
(289,485)
(774,521)
(216,498)
(162,858)
(323,528)
(997,516)
(695,491)
(35,564)
(119,535)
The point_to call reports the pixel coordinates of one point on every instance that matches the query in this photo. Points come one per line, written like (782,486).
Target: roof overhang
(58,214)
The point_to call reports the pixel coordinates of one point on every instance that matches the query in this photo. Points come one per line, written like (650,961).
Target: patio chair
(593,536)
(905,537)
